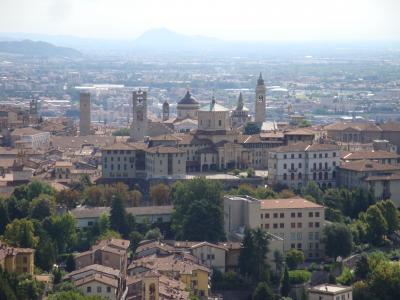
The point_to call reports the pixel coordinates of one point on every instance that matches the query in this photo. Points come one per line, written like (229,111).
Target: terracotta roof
(165,137)
(289,203)
(83,212)
(120,146)
(390,126)
(305,147)
(27,131)
(300,131)
(380,154)
(74,142)
(98,278)
(367,166)
(61,164)
(358,126)
(150,210)
(395,176)
(115,243)
(97,268)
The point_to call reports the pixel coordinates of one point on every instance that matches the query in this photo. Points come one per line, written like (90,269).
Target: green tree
(198,210)
(42,207)
(346,278)
(299,276)
(70,263)
(46,255)
(69,198)
(279,261)
(121,132)
(338,240)
(135,198)
(159,194)
(153,234)
(294,257)
(72,295)
(389,212)
(263,292)
(376,225)
(261,242)
(312,189)
(252,128)
(285,283)
(118,215)
(4,217)
(29,289)
(246,259)
(62,229)
(20,233)
(362,267)
(135,238)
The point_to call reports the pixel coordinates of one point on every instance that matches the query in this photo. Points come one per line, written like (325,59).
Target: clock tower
(139,121)
(260,109)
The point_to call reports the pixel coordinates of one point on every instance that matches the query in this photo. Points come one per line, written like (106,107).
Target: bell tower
(260,109)
(165,111)
(139,120)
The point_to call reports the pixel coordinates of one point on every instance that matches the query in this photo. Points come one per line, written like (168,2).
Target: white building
(31,138)
(296,164)
(297,221)
(330,292)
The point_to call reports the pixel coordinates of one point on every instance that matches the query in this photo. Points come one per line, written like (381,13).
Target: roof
(367,166)
(288,203)
(98,278)
(150,210)
(74,142)
(305,147)
(390,177)
(115,243)
(300,131)
(213,106)
(380,154)
(390,126)
(358,126)
(27,131)
(83,212)
(61,164)
(120,146)
(330,289)
(96,268)
(188,99)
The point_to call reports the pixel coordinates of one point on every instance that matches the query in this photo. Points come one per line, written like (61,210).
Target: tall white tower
(139,120)
(260,109)
(84,114)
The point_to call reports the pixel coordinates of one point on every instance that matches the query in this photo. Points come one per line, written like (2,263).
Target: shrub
(299,276)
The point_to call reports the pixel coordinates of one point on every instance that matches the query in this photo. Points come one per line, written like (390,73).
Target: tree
(246,259)
(389,212)
(251,128)
(135,238)
(294,257)
(70,263)
(312,189)
(109,234)
(153,234)
(346,278)
(42,206)
(285,283)
(159,194)
(261,242)
(62,229)
(376,225)
(121,132)
(69,198)
(29,289)
(263,292)
(198,210)
(338,240)
(135,198)
(279,260)
(72,295)
(286,194)
(20,233)
(299,276)
(362,267)
(4,217)
(93,196)
(46,255)
(118,215)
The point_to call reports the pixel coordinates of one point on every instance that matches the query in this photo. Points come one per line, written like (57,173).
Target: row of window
(311,214)
(320,165)
(131,159)
(99,289)
(300,155)
(292,225)
(321,176)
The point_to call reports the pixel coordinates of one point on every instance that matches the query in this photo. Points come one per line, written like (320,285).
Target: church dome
(188,99)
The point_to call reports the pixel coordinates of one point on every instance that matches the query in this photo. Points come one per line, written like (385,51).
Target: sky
(239,20)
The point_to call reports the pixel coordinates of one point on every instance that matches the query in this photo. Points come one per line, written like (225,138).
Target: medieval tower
(260,109)
(165,111)
(84,114)
(139,120)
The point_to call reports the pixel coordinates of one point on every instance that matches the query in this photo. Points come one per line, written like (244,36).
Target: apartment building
(330,292)
(297,164)
(297,221)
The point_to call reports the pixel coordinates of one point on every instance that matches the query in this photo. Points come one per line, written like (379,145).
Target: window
(275,225)
(88,289)
(266,216)
(310,214)
(300,165)
(292,236)
(316,235)
(99,289)
(292,156)
(316,224)
(300,155)
(261,216)
(25,259)
(292,246)
(316,246)
(299,245)
(291,166)
(320,155)
(299,236)
(326,155)
(284,176)
(310,245)
(281,215)
(315,155)
(300,175)
(266,226)
(219,123)
(299,225)
(275,215)
(108,289)
(284,156)
(293,215)
(310,225)
(281,225)
(284,166)
(317,214)
(334,154)
(299,215)
(292,176)
(310,236)
(292,225)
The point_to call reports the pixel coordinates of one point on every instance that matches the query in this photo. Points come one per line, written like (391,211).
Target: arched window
(300,175)
(326,175)
(292,176)
(320,175)
(284,176)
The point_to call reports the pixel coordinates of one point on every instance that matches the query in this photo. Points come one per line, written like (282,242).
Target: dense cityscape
(186,167)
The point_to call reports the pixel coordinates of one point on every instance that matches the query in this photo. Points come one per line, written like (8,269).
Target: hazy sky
(226,19)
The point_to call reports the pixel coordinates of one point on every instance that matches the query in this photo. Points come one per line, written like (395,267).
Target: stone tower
(165,111)
(33,111)
(84,114)
(139,120)
(260,109)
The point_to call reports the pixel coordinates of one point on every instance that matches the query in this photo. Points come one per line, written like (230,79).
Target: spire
(260,80)
(213,99)
(240,102)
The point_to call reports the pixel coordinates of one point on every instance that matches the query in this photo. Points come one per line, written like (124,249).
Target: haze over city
(253,20)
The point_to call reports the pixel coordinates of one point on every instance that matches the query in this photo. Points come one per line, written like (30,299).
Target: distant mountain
(164,39)
(36,48)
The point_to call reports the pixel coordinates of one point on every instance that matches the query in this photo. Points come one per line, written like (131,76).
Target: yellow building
(17,260)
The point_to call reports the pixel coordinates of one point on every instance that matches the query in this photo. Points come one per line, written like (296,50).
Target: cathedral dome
(188,99)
